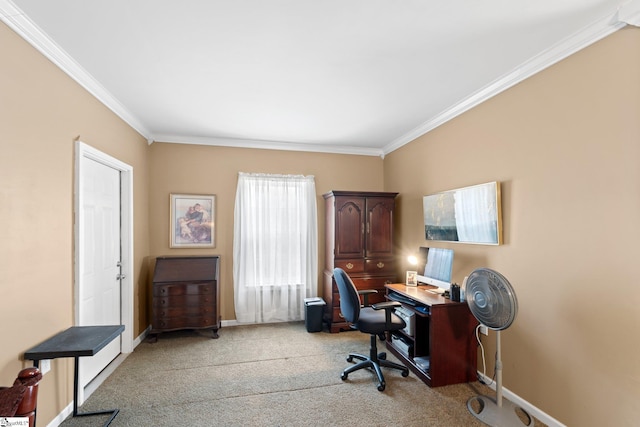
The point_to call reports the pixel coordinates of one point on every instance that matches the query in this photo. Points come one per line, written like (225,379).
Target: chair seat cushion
(373,321)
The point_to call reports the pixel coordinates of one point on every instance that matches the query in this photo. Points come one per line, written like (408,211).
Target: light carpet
(268,375)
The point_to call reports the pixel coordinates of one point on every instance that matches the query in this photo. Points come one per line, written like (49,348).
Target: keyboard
(394,296)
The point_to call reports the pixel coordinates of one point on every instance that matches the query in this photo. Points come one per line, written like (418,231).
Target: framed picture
(466,215)
(192,221)
(412,278)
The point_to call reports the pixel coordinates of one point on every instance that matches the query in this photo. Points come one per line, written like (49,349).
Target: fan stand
(496,412)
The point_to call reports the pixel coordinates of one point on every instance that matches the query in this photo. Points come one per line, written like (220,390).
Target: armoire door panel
(349,220)
(379,238)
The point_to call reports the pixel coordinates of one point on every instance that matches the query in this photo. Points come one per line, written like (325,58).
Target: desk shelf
(445,335)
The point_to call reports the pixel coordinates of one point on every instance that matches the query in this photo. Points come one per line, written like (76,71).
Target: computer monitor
(438,265)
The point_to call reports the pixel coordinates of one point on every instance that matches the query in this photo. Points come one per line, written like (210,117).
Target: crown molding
(16,19)
(626,14)
(572,44)
(268,145)
(629,13)
(19,22)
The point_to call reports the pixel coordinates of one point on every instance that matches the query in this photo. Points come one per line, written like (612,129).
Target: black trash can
(313,309)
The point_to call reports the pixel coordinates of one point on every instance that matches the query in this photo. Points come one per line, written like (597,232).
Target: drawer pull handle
(349,265)
(380,264)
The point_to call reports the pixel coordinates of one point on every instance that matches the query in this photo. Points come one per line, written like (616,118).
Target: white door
(103,235)
(99,293)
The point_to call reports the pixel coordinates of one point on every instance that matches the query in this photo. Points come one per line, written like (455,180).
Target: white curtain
(275,247)
(476,214)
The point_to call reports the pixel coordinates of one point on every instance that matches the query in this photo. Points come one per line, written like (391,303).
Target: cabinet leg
(214,334)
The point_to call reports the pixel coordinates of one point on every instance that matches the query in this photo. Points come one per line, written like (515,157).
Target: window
(275,254)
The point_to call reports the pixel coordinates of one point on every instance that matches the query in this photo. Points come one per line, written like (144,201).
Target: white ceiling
(347,76)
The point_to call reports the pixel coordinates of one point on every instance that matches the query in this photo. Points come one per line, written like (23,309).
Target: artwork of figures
(192,221)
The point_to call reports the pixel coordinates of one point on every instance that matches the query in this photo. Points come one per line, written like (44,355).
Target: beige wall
(566,146)
(178,168)
(563,143)
(42,111)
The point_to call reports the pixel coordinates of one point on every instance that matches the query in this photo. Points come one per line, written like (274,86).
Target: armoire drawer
(351,265)
(379,266)
(368,283)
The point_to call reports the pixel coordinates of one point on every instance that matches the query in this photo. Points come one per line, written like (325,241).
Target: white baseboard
(528,407)
(141,337)
(61,416)
(102,376)
(227,323)
(111,367)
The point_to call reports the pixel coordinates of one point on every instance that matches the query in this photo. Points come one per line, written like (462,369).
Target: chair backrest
(349,298)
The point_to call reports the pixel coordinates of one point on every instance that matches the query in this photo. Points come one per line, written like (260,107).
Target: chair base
(373,363)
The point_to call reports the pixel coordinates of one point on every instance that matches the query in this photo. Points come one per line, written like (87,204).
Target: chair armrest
(388,307)
(365,295)
(30,378)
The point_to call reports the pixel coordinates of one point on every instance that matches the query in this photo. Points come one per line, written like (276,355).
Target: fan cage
(491,298)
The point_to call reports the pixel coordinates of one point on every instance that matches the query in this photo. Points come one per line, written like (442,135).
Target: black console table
(77,341)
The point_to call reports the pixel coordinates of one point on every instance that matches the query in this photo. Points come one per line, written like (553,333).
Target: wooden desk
(77,341)
(185,294)
(443,332)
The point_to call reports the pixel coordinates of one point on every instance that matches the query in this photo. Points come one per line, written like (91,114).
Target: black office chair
(375,320)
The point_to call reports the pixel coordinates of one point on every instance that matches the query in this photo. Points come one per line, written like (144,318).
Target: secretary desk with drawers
(185,294)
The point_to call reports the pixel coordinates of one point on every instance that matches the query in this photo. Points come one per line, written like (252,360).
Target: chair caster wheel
(405,373)
(382,356)
(344,376)
(381,386)
(349,359)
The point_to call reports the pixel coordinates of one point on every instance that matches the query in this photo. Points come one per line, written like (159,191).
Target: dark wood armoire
(358,239)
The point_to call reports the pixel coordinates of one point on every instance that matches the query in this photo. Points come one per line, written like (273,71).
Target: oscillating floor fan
(493,302)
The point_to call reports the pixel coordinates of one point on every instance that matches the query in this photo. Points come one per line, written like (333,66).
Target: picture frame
(465,215)
(412,278)
(192,220)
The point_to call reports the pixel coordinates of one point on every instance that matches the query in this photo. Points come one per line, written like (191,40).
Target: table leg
(113,412)
(76,367)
